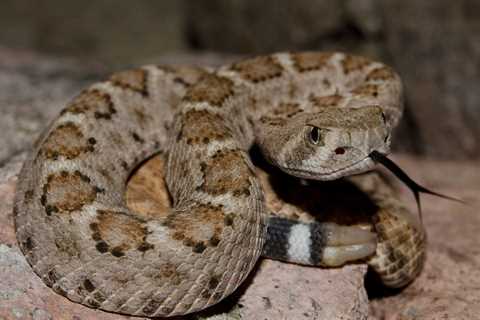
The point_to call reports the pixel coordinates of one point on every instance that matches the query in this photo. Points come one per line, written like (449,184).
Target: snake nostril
(339,150)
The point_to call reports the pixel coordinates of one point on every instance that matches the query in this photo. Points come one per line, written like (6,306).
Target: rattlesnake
(313,115)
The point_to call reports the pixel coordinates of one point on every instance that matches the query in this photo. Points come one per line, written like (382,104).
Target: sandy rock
(287,291)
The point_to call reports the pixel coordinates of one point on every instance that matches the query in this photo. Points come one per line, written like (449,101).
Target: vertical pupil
(384,118)
(314,135)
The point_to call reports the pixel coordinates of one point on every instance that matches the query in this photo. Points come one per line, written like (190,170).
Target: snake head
(329,144)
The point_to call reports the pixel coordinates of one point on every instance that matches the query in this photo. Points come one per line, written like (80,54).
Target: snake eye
(314,135)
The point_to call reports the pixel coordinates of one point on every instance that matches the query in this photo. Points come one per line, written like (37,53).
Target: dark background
(434,45)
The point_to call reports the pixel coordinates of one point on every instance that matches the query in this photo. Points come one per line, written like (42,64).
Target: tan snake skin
(313,115)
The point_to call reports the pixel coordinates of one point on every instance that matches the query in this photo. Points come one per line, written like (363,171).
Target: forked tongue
(412,185)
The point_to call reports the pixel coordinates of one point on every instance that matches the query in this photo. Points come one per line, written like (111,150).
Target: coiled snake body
(313,115)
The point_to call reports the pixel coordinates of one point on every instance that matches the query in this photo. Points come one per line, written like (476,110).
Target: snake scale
(313,115)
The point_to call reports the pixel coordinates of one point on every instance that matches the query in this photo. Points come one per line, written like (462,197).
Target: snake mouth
(359,166)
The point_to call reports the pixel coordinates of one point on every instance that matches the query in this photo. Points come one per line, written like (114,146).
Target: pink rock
(287,291)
